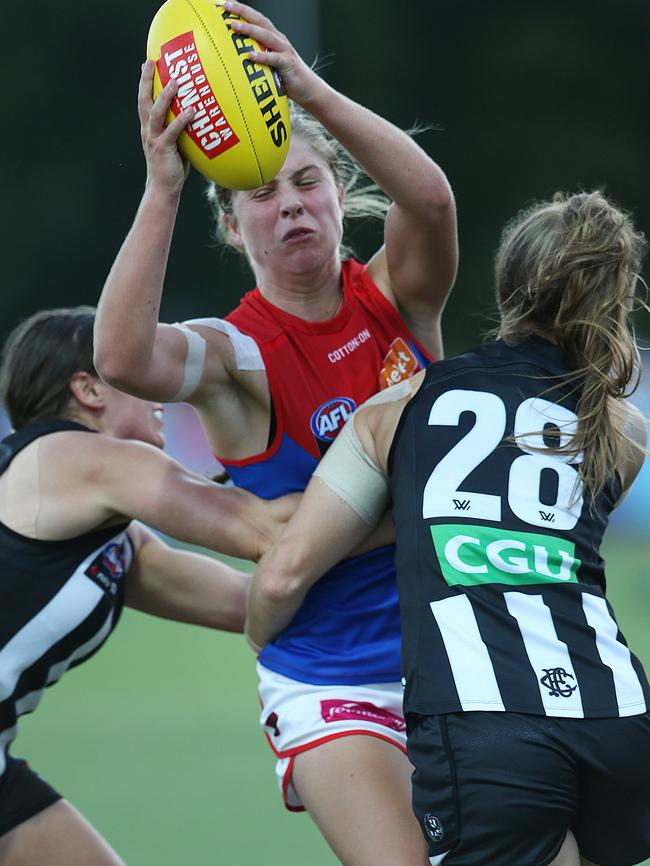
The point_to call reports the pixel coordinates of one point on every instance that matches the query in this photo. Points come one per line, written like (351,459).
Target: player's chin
(305,256)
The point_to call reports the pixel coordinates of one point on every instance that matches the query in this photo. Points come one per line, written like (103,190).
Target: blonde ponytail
(567,269)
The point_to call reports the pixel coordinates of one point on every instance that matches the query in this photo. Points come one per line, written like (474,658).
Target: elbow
(279,587)
(111,368)
(105,362)
(439,199)
(284,573)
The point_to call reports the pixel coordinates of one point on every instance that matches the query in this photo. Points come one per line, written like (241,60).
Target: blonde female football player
(528,715)
(82,467)
(273,384)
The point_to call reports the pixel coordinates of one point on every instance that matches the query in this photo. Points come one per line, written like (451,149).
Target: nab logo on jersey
(328,419)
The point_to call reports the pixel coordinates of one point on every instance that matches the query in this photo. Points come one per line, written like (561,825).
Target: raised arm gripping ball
(239,135)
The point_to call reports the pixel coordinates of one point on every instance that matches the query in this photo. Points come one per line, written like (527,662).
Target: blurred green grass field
(156,740)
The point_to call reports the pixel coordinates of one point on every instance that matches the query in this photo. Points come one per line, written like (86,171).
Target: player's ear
(232,227)
(88,390)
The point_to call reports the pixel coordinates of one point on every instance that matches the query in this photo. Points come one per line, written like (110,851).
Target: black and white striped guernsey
(59,600)
(501,584)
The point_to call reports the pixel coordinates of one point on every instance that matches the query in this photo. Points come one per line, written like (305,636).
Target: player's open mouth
(296,235)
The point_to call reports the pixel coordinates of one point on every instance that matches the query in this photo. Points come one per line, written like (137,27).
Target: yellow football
(239,135)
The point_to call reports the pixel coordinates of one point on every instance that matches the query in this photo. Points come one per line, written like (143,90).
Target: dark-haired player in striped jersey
(85,459)
(528,715)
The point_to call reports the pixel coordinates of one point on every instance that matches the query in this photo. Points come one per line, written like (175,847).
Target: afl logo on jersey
(114,560)
(109,567)
(328,419)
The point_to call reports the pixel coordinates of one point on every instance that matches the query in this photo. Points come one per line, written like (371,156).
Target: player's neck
(314,296)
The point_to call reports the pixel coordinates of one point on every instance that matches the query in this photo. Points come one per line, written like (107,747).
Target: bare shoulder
(73,452)
(77,458)
(630,420)
(59,462)
(633,427)
(377,419)
(55,486)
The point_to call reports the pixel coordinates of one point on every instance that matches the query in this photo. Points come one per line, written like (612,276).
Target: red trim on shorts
(291,754)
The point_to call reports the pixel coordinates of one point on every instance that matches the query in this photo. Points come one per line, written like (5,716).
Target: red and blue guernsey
(347,630)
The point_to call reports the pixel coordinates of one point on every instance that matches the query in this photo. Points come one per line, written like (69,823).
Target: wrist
(319,97)
(158,193)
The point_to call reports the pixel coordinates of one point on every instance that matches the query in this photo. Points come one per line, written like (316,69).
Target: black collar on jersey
(546,354)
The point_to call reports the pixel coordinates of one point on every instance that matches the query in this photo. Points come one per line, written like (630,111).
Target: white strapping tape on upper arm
(349,473)
(247,353)
(194,363)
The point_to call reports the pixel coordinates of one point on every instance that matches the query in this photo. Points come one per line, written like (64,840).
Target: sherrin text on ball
(239,135)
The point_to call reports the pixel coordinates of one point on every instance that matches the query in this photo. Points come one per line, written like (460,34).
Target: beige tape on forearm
(349,473)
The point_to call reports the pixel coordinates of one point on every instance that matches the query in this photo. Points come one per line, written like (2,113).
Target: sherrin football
(239,135)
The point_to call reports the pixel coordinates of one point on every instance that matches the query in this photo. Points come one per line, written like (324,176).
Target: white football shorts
(299,716)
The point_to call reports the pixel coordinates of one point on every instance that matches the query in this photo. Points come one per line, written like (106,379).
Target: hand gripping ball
(239,135)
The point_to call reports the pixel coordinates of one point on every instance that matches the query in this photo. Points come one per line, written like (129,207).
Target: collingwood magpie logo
(433,827)
(555,680)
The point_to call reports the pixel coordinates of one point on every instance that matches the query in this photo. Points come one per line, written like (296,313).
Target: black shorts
(504,788)
(23,794)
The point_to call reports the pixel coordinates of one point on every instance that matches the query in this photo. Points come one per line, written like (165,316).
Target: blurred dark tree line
(527,98)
